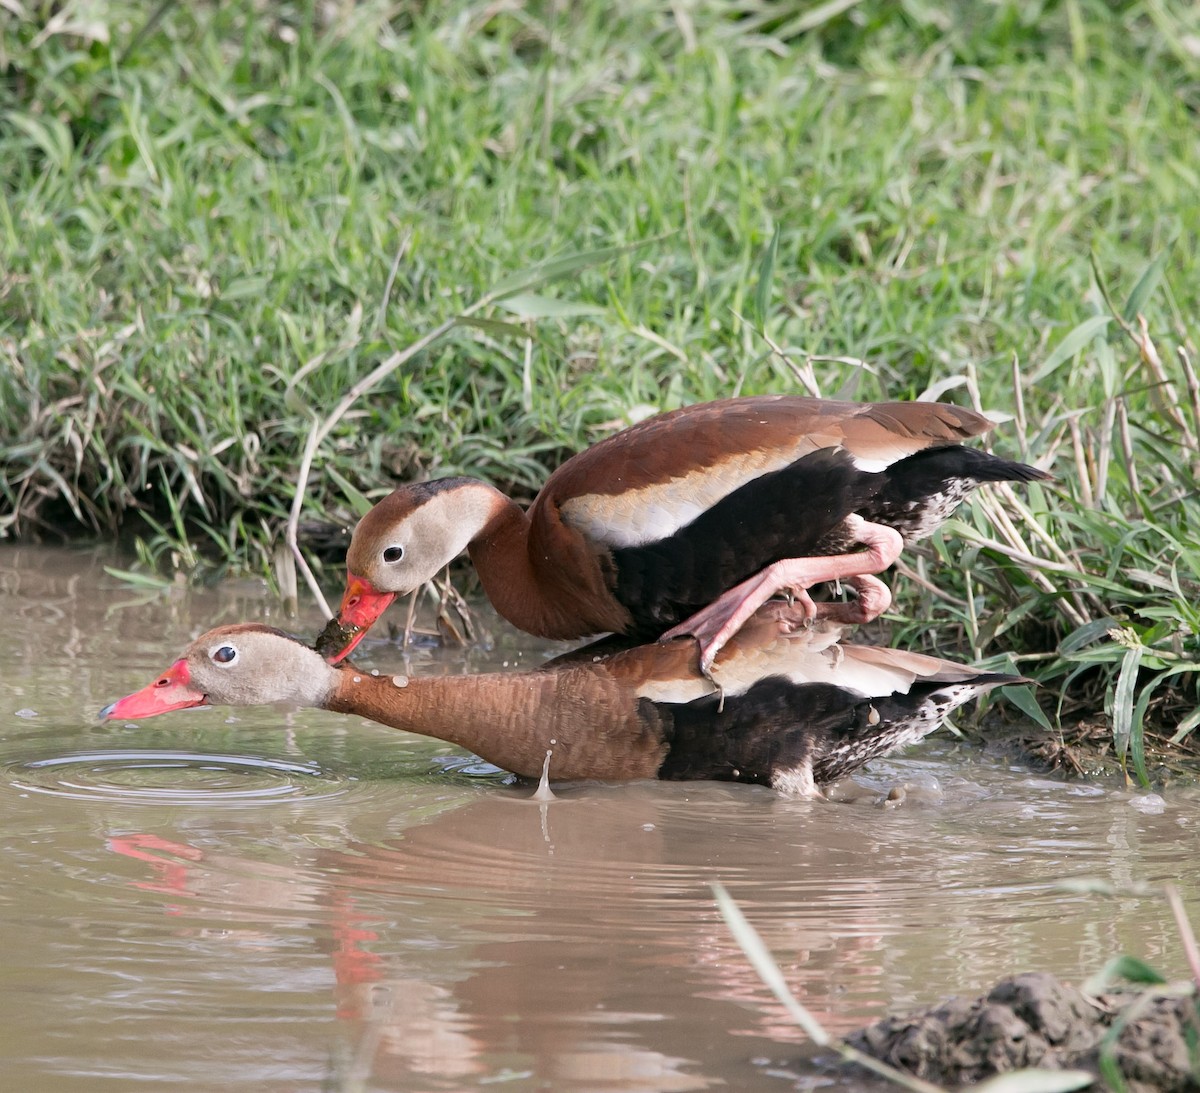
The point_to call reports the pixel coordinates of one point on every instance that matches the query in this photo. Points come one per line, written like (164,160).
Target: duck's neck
(498,542)
(589,723)
(500,553)
(545,581)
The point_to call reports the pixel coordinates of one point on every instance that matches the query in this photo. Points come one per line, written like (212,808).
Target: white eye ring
(393,554)
(224,655)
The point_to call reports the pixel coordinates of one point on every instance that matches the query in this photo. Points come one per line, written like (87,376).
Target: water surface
(278,900)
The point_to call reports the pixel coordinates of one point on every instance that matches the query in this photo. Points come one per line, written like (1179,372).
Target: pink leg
(874,598)
(715,624)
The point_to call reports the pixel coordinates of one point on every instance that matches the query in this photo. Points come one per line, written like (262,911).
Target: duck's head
(243,665)
(403,542)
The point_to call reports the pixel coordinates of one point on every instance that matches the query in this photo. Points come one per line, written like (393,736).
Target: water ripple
(161,777)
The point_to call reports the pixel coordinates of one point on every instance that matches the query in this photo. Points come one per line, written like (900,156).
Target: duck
(685,523)
(788,704)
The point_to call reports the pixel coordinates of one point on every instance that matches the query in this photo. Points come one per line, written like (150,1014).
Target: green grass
(215,222)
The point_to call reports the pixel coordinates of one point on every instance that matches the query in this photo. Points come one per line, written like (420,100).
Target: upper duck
(799,709)
(722,504)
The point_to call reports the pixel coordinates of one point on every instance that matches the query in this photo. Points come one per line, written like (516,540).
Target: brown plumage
(798,708)
(686,522)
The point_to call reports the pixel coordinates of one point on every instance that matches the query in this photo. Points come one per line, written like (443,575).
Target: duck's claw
(706,672)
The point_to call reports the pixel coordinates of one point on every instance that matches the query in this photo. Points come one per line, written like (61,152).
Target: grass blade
(815,17)
(1123,701)
(138,580)
(1023,698)
(359,501)
(1073,343)
(1145,286)
(554,268)
(527,305)
(1129,968)
(766,274)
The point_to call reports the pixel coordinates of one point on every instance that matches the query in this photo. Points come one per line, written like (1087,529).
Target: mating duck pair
(683,526)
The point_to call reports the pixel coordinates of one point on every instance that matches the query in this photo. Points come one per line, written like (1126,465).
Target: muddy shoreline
(1084,750)
(1034,1019)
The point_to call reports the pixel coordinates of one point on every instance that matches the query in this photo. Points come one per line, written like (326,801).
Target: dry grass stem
(410,616)
(909,574)
(806,376)
(1107,429)
(1082,463)
(1186,935)
(760,958)
(401,252)
(1127,448)
(1193,387)
(1164,390)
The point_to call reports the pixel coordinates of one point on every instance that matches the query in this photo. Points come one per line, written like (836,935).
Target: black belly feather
(775,725)
(789,513)
(778,726)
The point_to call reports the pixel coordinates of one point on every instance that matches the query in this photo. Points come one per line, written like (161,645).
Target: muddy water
(281,901)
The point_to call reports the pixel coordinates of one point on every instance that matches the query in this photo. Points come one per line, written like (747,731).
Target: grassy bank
(217,218)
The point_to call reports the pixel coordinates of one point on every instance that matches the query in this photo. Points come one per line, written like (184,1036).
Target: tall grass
(216,218)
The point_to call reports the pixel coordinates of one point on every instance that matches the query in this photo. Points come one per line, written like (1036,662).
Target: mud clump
(1035,1020)
(335,637)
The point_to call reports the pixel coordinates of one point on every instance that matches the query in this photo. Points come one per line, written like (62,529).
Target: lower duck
(787,705)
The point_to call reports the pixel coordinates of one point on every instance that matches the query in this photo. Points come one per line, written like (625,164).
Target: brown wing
(679,443)
(769,646)
(647,481)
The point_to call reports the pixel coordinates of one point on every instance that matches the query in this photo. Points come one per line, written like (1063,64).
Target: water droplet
(544,792)
(358,679)
(400,681)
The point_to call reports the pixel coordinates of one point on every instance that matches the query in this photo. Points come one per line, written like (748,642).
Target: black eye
(393,553)
(225,655)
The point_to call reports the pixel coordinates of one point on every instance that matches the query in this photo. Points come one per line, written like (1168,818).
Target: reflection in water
(579,937)
(276,901)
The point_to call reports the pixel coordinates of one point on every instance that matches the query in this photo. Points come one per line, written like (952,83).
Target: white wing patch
(864,464)
(814,655)
(676,691)
(636,517)
(883,455)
